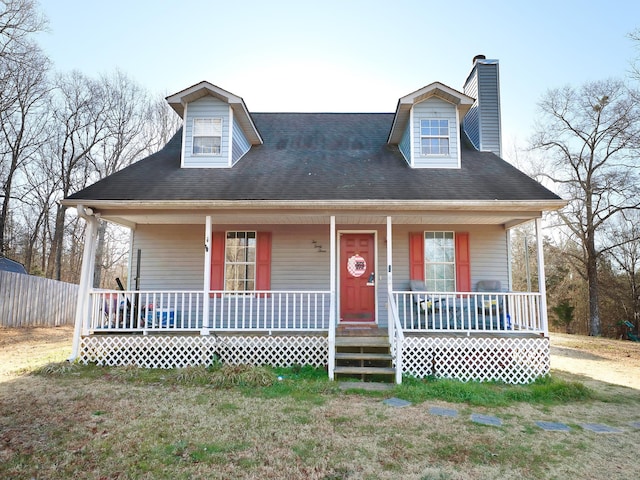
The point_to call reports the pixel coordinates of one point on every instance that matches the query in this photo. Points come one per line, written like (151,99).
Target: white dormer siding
(207,108)
(435,108)
(239,143)
(405,144)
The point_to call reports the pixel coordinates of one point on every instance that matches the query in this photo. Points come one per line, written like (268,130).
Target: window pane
(240,258)
(207,127)
(434,136)
(444,146)
(206,145)
(207,136)
(439,250)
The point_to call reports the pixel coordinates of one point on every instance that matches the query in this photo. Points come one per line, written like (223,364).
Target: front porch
(468,336)
(488,335)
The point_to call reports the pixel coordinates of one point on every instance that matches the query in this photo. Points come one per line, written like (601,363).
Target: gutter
(396,205)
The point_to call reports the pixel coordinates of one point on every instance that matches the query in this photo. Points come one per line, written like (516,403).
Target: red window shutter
(217,260)
(416,256)
(463,263)
(263,261)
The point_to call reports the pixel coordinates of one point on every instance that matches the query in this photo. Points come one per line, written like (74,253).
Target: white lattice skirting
(173,351)
(511,360)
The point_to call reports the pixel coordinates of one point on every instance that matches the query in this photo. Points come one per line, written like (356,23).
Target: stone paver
(443,412)
(600,428)
(396,402)
(486,420)
(553,426)
(497,422)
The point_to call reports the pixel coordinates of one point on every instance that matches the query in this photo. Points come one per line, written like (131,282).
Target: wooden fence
(28,301)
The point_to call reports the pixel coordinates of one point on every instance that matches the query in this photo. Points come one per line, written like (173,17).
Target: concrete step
(365,370)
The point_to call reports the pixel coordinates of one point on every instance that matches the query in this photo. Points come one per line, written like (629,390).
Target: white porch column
(207,276)
(544,323)
(86,279)
(332,297)
(389,264)
(389,255)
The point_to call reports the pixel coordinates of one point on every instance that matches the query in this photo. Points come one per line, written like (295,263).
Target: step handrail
(396,337)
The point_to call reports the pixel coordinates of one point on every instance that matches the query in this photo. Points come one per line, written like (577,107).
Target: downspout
(86,278)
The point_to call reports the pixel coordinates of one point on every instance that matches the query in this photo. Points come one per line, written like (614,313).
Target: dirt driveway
(600,359)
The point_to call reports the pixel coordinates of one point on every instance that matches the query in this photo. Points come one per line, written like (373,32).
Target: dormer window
(207,136)
(434,137)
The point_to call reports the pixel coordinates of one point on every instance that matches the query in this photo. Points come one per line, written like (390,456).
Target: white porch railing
(469,312)
(148,311)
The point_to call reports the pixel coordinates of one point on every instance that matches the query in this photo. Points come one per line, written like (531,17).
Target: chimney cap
(478,57)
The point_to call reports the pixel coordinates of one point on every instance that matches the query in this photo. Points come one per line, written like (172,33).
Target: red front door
(357,277)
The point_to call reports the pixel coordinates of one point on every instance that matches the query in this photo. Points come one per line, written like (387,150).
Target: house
(8,265)
(362,242)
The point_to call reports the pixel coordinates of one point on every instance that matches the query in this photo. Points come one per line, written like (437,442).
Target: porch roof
(320,162)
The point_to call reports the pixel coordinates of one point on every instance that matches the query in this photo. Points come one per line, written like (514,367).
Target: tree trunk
(54,268)
(592,280)
(5,203)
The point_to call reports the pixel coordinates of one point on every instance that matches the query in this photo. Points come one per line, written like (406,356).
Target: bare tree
(635,63)
(591,136)
(626,258)
(22,123)
(127,115)
(80,125)
(18,20)
(23,89)
(163,123)
(38,200)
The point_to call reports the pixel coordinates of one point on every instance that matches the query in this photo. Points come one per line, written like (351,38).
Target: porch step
(363,356)
(365,370)
(362,341)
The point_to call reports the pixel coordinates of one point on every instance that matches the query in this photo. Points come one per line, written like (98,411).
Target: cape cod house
(367,243)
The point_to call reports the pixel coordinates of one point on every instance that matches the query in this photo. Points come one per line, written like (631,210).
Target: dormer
(426,126)
(217,127)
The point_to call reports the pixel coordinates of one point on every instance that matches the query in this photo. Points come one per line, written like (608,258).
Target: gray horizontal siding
(173,259)
(487,250)
(435,108)
(489,99)
(471,121)
(206,107)
(482,122)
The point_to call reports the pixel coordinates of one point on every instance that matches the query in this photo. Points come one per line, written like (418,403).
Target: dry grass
(104,425)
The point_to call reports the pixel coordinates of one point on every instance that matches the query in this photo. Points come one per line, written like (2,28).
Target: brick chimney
(482,123)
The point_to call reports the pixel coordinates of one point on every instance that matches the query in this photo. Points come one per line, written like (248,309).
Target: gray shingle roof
(318,156)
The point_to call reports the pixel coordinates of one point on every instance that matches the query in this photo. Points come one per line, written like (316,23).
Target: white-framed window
(207,136)
(434,136)
(240,262)
(440,261)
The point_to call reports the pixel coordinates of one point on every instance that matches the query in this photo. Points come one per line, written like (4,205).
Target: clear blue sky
(346,56)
